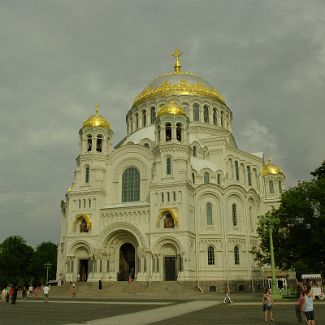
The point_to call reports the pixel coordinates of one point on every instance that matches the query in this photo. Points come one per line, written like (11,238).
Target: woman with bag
(267,302)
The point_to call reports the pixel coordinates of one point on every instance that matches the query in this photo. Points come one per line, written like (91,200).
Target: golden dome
(96,121)
(271,169)
(171,108)
(178,83)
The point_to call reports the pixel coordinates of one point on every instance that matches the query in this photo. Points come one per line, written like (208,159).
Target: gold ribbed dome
(96,121)
(271,169)
(171,108)
(178,83)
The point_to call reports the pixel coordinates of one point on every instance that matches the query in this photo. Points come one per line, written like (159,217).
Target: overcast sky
(59,58)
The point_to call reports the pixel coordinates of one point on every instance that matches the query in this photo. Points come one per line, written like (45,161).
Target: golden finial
(177,53)
(97,108)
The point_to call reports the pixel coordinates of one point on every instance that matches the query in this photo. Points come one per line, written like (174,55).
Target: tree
(15,261)
(300,233)
(45,252)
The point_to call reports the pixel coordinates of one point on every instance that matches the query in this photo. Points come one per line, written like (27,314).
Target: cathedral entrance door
(83,270)
(170,268)
(127,262)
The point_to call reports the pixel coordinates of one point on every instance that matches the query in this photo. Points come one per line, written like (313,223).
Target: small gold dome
(171,108)
(96,121)
(271,169)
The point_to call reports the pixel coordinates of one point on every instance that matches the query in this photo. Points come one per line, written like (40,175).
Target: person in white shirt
(46,290)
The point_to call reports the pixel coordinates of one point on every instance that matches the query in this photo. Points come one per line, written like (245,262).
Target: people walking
(267,302)
(46,290)
(298,306)
(227,299)
(308,306)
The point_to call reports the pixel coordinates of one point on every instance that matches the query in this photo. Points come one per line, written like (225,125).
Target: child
(298,305)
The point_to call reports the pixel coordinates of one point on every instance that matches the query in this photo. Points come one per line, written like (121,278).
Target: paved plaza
(144,311)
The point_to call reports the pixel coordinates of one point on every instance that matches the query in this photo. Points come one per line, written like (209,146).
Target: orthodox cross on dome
(177,53)
(97,108)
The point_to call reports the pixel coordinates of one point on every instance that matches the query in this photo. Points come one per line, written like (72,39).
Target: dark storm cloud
(59,58)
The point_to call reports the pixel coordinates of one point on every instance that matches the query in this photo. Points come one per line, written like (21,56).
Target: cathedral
(175,200)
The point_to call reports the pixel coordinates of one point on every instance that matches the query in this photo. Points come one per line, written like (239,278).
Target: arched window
(210,255)
(206,177)
(193,178)
(222,118)
(131,185)
(136,121)
(234,214)
(250,217)
(219,179)
(144,118)
(168,166)
(146,145)
(236,254)
(168,130)
(215,116)
(280,187)
(131,124)
(209,213)
(87,174)
(89,142)
(249,176)
(196,113)
(194,151)
(99,143)
(271,187)
(152,114)
(206,113)
(237,170)
(179,132)
(169,221)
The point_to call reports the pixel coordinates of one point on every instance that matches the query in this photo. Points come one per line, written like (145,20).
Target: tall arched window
(280,187)
(222,118)
(99,143)
(136,121)
(194,151)
(210,255)
(131,124)
(196,113)
(193,178)
(89,142)
(206,177)
(219,179)
(152,114)
(168,130)
(168,166)
(236,254)
(249,176)
(234,214)
(179,132)
(131,185)
(215,116)
(208,208)
(144,118)
(271,187)
(87,174)
(237,170)
(206,113)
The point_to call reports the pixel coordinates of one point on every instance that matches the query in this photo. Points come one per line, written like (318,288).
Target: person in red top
(298,305)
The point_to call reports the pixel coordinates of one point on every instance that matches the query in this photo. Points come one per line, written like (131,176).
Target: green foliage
(299,236)
(19,263)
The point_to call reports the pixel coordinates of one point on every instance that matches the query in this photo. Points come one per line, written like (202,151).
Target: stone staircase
(124,288)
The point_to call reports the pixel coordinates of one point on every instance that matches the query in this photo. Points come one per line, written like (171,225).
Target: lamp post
(47,266)
(275,291)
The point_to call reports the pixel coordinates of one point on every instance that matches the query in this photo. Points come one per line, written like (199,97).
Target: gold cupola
(178,83)
(171,108)
(96,121)
(271,169)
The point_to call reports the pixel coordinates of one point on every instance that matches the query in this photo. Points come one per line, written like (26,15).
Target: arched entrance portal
(126,262)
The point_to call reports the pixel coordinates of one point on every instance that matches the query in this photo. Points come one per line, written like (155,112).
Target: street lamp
(47,266)
(275,291)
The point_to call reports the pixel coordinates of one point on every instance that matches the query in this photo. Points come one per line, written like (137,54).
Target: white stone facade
(195,216)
